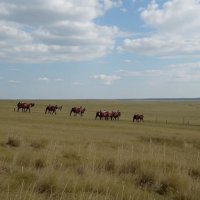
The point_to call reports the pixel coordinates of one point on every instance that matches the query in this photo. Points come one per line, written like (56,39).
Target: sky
(99,49)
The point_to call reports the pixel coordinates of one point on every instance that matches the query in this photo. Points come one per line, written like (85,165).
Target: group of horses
(106,115)
(50,109)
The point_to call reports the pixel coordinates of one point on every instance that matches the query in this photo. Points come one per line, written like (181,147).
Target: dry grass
(13,141)
(62,157)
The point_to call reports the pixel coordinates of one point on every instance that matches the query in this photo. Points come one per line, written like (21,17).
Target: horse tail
(46,110)
(133,118)
(96,116)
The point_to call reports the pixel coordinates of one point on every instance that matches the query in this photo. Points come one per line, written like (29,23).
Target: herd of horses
(51,109)
(106,115)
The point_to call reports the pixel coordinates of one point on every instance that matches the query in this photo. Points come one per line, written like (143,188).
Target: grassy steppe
(62,157)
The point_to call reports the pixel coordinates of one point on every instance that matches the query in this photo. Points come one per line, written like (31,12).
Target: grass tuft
(194,173)
(40,163)
(145,180)
(13,142)
(110,165)
(81,170)
(173,184)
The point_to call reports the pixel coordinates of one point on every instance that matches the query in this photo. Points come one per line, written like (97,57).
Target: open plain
(71,157)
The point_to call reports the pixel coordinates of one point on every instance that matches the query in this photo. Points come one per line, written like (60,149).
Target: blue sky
(102,49)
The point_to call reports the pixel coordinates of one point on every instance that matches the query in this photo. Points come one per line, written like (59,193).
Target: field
(61,157)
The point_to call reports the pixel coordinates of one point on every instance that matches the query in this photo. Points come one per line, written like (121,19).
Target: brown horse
(76,111)
(82,111)
(102,114)
(98,115)
(138,118)
(51,109)
(115,115)
(24,106)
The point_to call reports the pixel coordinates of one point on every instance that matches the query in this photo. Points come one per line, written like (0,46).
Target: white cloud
(163,45)
(13,81)
(128,73)
(127,61)
(106,79)
(176,29)
(43,79)
(188,72)
(58,79)
(76,83)
(62,30)
(178,16)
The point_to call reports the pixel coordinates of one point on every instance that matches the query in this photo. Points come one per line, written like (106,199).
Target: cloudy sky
(66,49)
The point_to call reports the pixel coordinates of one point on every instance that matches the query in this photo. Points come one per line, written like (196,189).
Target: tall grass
(62,157)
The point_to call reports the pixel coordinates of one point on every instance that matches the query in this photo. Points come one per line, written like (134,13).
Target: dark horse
(115,115)
(76,111)
(138,118)
(24,106)
(102,114)
(51,109)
